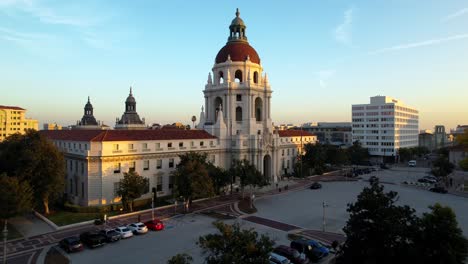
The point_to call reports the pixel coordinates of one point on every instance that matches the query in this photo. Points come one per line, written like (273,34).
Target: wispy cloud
(44,13)
(324,76)
(413,45)
(456,14)
(342,32)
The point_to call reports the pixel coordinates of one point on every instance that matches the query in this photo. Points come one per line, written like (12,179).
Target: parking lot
(305,208)
(301,208)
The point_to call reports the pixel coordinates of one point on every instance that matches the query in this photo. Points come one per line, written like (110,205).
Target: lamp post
(5,235)
(152,202)
(301,151)
(323,218)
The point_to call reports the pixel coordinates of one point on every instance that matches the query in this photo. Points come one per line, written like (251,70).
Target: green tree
(235,246)
(357,154)
(180,259)
(33,158)
(462,139)
(440,240)
(442,167)
(405,154)
(219,177)
(464,164)
(191,177)
(248,174)
(132,187)
(378,231)
(16,197)
(315,156)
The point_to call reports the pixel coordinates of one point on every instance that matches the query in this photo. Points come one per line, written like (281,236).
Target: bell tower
(238,86)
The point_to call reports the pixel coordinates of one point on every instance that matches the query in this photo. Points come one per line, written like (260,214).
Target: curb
(46,220)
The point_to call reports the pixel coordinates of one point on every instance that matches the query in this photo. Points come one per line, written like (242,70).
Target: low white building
(385,125)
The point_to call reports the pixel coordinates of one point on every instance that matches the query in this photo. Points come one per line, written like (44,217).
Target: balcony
(146,150)
(132,150)
(117,151)
(171,148)
(182,147)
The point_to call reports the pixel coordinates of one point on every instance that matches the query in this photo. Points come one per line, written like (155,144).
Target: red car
(155,225)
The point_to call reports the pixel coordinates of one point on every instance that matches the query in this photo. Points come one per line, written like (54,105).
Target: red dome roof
(238,52)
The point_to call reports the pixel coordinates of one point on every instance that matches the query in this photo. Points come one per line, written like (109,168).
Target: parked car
(156,225)
(438,189)
(278,259)
(412,163)
(426,180)
(431,178)
(138,228)
(111,235)
(71,244)
(124,232)
(314,250)
(93,239)
(315,186)
(292,254)
(384,167)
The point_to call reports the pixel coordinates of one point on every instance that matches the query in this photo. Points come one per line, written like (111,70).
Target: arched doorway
(267,167)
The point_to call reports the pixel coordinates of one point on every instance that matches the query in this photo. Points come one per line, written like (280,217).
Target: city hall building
(235,123)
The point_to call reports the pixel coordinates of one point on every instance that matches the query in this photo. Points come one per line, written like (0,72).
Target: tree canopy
(16,196)
(31,157)
(180,259)
(191,177)
(132,186)
(233,245)
(442,167)
(247,173)
(379,231)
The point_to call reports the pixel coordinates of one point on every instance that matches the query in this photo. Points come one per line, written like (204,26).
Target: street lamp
(152,202)
(5,235)
(323,218)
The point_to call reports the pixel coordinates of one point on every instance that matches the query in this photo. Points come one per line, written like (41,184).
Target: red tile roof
(125,135)
(294,133)
(238,51)
(11,107)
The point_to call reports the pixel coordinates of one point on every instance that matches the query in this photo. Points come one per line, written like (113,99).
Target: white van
(412,163)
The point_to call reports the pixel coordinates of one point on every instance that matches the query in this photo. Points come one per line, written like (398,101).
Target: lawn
(12,232)
(62,218)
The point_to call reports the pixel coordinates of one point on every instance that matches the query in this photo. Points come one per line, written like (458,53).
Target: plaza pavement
(297,209)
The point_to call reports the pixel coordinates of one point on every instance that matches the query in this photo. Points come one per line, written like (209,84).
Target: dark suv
(314,250)
(110,234)
(293,255)
(71,244)
(93,239)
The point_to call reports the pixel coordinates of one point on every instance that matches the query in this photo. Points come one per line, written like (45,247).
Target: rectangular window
(117,167)
(158,164)
(130,146)
(287,166)
(169,145)
(181,144)
(288,152)
(82,189)
(144,145)
(82,168)
(171,163)
(282,152)
(158,145)
(131,166)
(202,143)
(171,182)
(86,146)
(115,147)
(116,188)
(71,186)
(159,183)
(192,144)
(238,97)
(211,143)
(146,165)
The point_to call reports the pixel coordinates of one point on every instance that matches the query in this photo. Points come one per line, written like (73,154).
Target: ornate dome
(237,47)
(238,51)
(130,98)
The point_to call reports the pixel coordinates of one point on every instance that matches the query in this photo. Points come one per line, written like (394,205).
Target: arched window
(238,76)
(220,77)
(217,103)
(258,109)
(255,77)
(239,113)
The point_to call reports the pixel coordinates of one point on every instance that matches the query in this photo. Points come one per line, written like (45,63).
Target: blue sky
(320,56)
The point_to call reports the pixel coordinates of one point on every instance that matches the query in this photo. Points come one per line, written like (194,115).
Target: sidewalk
(29,225)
